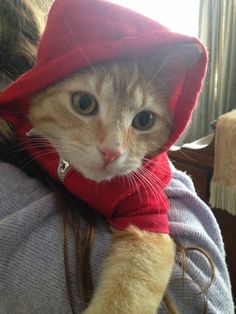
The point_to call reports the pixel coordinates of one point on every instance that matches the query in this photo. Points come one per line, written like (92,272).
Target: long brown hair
(21,25)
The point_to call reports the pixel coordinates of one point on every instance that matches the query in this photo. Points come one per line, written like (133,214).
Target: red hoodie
(80,32)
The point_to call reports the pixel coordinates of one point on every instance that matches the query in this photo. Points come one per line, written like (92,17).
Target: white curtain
(217,29)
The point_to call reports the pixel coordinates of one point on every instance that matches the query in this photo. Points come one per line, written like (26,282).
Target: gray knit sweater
(31,242)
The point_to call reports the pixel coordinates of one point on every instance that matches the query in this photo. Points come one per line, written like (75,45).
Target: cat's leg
(135,273)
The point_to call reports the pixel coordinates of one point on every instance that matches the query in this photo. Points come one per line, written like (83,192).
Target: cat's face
(105,120)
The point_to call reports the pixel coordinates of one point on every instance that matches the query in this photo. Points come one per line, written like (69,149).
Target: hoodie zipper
(63,165)
(34,133)
(62,169)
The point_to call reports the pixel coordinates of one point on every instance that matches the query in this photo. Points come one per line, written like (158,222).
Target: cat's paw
(135,274)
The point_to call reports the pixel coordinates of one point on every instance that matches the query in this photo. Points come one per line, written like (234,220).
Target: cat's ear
(166,59)
(188,54)
(168,67)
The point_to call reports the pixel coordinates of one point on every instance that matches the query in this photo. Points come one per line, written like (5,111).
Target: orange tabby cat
(104,121)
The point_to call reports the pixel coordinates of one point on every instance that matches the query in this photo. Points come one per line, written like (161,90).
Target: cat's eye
(84,103)
(144,120)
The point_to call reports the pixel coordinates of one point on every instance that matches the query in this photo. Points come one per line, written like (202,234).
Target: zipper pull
(63,165)
(62,169)
(33,133)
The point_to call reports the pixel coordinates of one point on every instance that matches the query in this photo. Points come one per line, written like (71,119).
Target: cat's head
(107,119)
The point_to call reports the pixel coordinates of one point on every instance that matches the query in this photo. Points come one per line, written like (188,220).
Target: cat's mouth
(94,173)
(103,169)
(104,172)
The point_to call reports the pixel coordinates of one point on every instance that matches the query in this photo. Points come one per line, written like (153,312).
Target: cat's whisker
(39,155)
(149,190)
(23,149)
(130,181)
(158,193)
(43,143)
(30,142)
(42,146)
(161,165)
(161,67)
(134,184)
(151,175)
(161,171)
(152,180)
(161,168)
(74,39)
(146,190)
(143,177)
(152,161)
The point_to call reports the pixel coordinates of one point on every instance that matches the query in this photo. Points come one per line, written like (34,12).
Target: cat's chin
(99,175)
(103,174)
(98,171)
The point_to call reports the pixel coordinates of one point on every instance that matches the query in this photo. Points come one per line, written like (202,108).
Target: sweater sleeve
(31,255)
(32,279)
(193,224)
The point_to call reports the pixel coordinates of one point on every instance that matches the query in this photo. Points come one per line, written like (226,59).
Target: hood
(81,33)
(84,32)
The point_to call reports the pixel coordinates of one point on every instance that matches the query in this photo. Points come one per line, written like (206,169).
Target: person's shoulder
(13,179)
(193,225)
(18,190)
(10,173)
(180,180)
(188,213)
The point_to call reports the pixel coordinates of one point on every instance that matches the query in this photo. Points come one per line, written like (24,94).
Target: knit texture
(31,260)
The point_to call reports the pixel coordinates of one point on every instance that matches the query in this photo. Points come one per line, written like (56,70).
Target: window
(180,16)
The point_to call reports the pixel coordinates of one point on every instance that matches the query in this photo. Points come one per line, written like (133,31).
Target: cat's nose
(110,155)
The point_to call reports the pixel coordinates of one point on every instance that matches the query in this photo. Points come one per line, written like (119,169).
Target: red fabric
(119,202)
(84,32)
(123,205)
